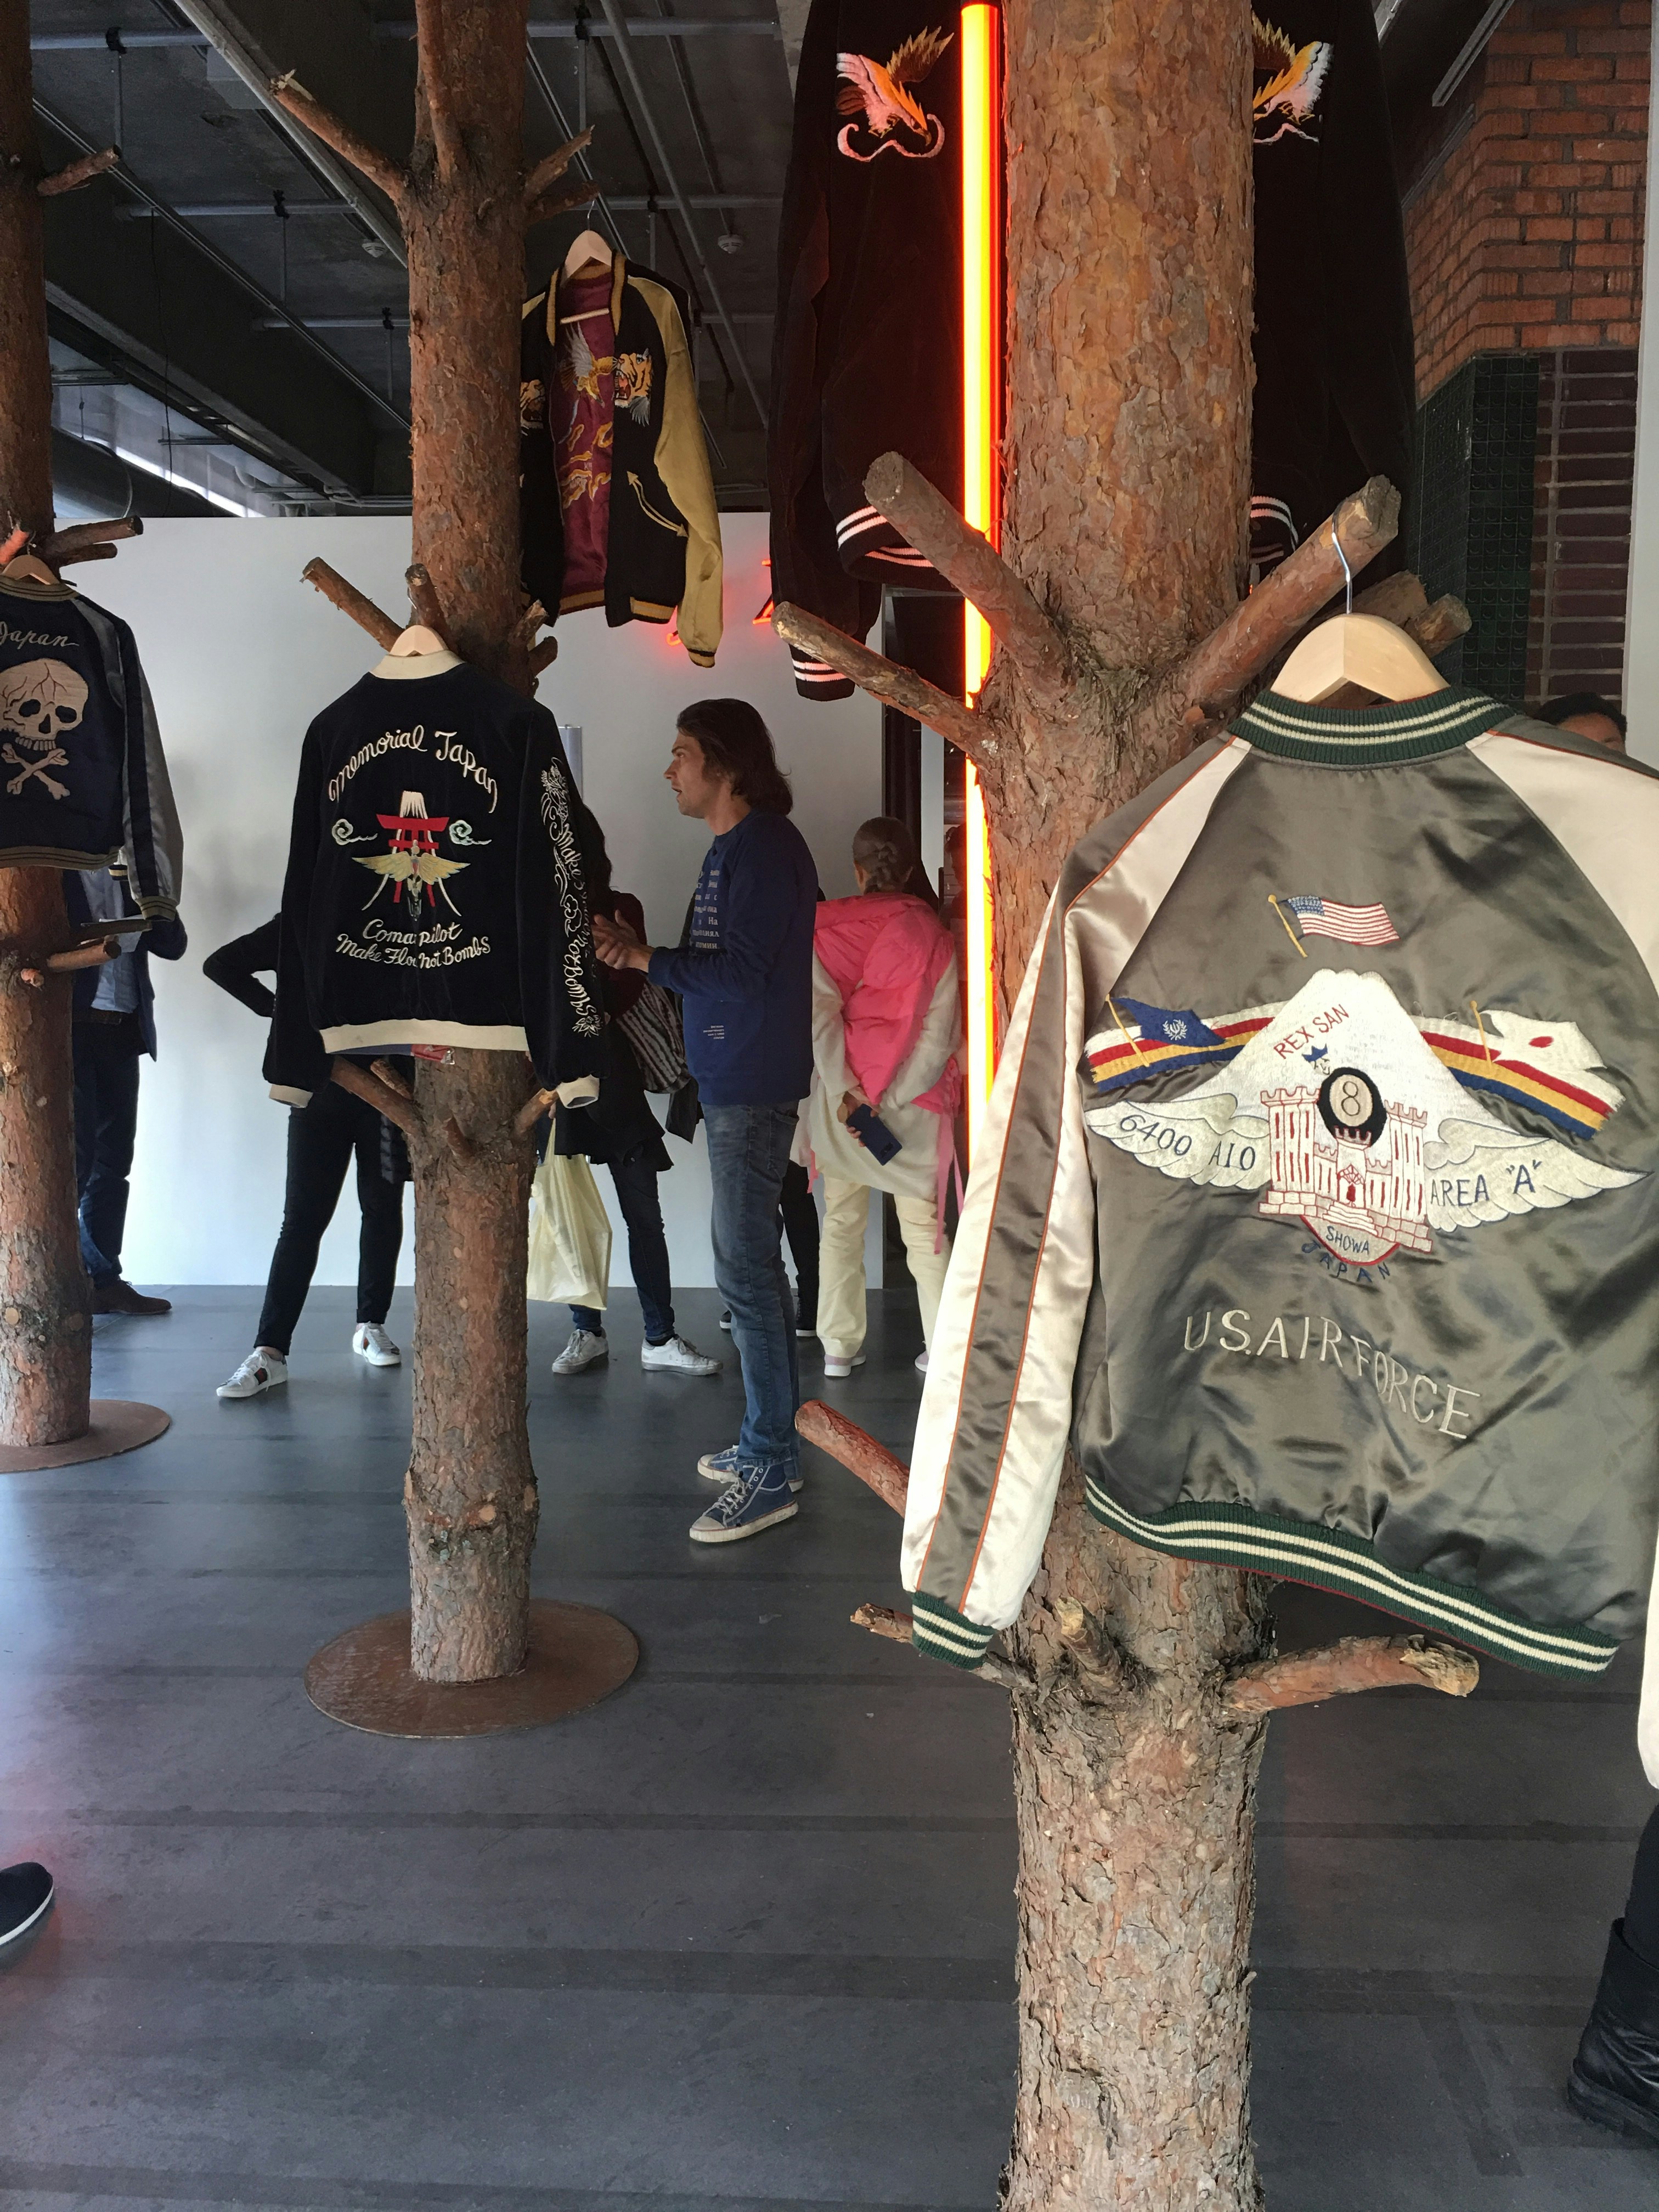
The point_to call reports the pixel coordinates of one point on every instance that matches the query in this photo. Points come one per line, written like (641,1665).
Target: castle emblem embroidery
(1361,1123)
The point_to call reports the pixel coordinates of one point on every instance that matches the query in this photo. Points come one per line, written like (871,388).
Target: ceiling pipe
(678,27)
(219,27)
(255,210)
(122,176)
(622,31)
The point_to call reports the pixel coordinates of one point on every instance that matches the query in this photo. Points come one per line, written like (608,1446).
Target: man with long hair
(744,976)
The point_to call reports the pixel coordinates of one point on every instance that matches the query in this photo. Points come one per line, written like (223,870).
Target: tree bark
(470,1494)
(1128,455)
(45,1329)
(45,1320)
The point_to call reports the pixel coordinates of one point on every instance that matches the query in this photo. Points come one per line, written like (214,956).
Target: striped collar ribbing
(1368,737)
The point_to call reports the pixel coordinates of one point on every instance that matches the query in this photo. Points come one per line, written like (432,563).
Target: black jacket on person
(867,351)
(663,550)
(1335,395)
(165,938)
(435,890)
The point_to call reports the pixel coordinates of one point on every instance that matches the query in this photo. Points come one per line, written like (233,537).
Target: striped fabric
(1329,1559)
(1352,924)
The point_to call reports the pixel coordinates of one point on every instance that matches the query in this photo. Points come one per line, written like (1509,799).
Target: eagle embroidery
(1290,82)
(889,117)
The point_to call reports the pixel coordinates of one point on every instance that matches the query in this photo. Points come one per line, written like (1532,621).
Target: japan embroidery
(1357,1122)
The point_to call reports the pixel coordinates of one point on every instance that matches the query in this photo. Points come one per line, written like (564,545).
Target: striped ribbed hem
(818,679)
(1330,1559)
(942,1633)
(1368,737)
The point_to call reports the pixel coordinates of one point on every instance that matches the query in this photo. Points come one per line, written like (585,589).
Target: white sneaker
(921,1363)
(836,1368)
(372,1343)
(679,1357)
(586,1348)
(263,1369)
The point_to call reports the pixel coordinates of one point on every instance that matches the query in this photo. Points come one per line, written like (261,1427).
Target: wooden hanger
(416,640)
(588,249)
(1363,650)
(28,568)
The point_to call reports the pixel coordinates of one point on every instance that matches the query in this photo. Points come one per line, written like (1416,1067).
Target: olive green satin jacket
(1318,1210)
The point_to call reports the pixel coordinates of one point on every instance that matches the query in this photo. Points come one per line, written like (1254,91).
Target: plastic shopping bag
(569,1234)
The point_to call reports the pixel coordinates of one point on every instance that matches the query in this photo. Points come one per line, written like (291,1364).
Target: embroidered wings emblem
(414,864)
(891,119)
(1290,81)
(1387,1146)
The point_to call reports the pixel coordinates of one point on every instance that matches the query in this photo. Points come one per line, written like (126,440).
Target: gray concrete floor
(738,1939)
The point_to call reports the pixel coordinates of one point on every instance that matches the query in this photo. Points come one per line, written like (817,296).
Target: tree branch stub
(1357,1663)
(350,601)
(544,655)
(885,1620)
(552,167)
(424,600)
(965,558)
(883,679)
(340,138)
(448,147)
(857,1450)
(65,544)
(539,1102)
(386,1099)
(1216,671)
(562,201)
(81,170)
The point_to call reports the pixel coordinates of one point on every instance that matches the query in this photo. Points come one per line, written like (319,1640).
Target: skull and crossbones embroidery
(41,703)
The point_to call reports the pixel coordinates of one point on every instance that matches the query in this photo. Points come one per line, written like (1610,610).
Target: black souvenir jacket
(436,891)
(663,552)
(867,354)
(1319,1209)
(1335,397)
(82,777)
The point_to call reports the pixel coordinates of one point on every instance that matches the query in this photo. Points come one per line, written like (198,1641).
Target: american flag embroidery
(1354,925)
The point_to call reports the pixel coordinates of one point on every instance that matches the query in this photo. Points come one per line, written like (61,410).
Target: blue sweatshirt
(746,971)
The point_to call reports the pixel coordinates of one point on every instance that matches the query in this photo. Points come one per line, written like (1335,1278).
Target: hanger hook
(1336,540)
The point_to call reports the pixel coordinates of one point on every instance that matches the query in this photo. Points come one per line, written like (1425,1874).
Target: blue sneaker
(730,1466)
(759,1496)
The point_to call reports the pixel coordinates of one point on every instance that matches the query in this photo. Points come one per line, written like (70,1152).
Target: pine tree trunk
(1127,453)
(470,1491)
(45,1332)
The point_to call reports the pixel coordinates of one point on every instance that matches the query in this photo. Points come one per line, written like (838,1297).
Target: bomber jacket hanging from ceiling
(1318,1209)
(82,776)
(436,891)
(868,352)
(663,537)
(1335,397)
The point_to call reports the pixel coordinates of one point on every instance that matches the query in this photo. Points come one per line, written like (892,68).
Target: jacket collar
(1367,736)
(618,278)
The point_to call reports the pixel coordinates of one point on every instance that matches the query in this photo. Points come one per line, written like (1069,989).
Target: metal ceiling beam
(179,313)
(261,211)
(401,322)
(677,27)
(622,30)
(231,38)
(113,41)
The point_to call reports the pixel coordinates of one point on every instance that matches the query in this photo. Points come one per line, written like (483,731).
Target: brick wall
(1523,233)
(1584,445)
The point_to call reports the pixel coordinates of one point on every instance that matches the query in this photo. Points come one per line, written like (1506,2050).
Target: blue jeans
(748,1152)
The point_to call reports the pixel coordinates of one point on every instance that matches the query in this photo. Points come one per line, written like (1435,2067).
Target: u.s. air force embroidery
(1354,1119)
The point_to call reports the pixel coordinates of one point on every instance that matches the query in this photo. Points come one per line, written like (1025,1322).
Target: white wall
(240,654)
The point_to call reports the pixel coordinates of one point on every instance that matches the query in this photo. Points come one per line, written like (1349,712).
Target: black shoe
(726,1320)
(26,1892)
(1615,2077)
(120,1297)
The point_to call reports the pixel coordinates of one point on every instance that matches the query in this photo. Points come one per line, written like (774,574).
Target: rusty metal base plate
(577,1656)
(118,1425)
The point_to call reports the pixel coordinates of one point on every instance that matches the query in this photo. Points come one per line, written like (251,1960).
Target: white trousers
(841,1263)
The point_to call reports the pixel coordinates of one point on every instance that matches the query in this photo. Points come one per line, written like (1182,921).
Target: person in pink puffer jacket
(886,1031)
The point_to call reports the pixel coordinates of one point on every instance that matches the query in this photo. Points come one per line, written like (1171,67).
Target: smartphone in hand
(877,1139)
